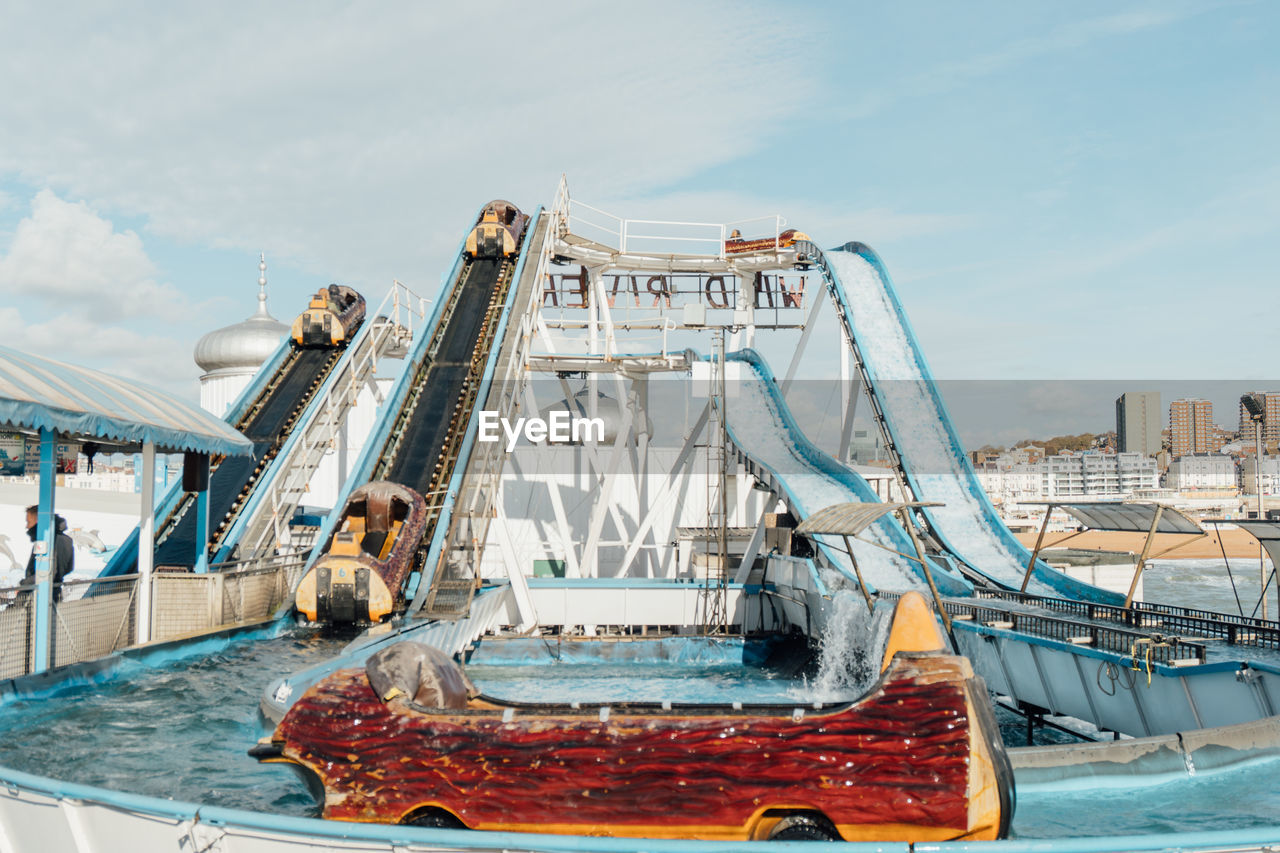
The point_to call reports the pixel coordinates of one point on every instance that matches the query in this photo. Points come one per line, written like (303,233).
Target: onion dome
(244,346)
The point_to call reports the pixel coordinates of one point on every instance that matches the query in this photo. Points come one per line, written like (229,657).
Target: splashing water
(850,649)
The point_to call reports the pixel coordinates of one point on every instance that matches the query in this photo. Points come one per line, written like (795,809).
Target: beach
(1237,543)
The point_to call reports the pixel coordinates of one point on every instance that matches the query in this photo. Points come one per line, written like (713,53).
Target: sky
(1060,191)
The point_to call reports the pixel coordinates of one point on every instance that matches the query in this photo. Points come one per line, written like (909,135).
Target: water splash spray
(850,649)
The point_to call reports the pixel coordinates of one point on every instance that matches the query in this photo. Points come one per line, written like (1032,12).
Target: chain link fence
(96,617)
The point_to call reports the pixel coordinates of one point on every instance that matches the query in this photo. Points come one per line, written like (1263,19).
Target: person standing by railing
(64,552)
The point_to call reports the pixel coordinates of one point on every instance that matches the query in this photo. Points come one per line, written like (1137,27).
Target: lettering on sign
(673,290)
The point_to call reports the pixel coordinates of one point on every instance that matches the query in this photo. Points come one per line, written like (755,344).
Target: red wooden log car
(918,758)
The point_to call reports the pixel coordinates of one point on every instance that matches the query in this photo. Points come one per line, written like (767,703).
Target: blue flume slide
(932,460)
(763,429)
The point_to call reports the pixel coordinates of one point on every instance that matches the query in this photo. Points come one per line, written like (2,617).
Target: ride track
(774,447)
(421,436)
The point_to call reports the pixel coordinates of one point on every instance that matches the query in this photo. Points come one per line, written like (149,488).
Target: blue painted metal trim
(320,831)
(469,436)
(1057,580)
(202,532)
(948,583)
(332,830)
(1173,841)
(46,534)
(1099,654)
(126,662)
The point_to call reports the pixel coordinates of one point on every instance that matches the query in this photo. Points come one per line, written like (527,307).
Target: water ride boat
(372,550)
(407,739)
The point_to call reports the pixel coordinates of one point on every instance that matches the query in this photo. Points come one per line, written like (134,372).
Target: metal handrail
(567,211)
(406,306)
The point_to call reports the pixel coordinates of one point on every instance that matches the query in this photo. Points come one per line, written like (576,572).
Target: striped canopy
(1124,517)
(850,519)
(1266,531)
(38,393)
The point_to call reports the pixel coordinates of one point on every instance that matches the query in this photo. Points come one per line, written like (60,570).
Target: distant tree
(1053,446)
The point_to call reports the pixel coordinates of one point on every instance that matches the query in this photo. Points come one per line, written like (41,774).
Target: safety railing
(1135,644)
(266,524)
(1233,628)
(93,618)
(677,239)
(656,237)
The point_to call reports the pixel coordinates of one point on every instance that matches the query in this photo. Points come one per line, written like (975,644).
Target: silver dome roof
(244,346)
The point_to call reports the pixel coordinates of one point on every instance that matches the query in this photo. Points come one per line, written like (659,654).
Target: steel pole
(1257,485)
(45,550)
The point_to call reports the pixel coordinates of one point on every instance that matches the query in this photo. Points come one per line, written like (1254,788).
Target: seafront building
(1138,422)
(1197,472)
(1270,475)
(1270,422)
(1191,427)
(1089,474)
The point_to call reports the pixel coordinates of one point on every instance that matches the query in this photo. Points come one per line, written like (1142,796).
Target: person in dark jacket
(64,552)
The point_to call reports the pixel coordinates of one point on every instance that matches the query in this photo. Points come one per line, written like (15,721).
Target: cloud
(828,224)
(87,282)
(359,139)
(155,359)
(65,255)
(949,76)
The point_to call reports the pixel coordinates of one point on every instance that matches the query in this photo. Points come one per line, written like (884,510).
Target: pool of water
(637,683)
(181,730)
(1243,798)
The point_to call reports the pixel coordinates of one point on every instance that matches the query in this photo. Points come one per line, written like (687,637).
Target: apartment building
(1086,475)
(1191,428)
(1271,422)
(1202,472)
(1138,422)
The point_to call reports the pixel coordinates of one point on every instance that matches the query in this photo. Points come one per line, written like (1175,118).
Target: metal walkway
(421,437)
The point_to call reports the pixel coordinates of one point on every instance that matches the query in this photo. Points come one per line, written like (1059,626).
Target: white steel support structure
(612,322)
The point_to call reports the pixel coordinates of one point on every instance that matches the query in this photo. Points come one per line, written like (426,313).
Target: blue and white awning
(40,393)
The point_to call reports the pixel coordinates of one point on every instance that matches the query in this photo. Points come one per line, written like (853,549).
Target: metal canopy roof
(1126,517)
(850,519)
(1265,531)
(39,393)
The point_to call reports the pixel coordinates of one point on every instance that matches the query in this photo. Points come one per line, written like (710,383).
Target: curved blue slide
(934,463)
(762,427)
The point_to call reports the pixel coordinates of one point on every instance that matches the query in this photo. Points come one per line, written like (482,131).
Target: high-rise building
(1191,427)
(1270,423)
(1138,419)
